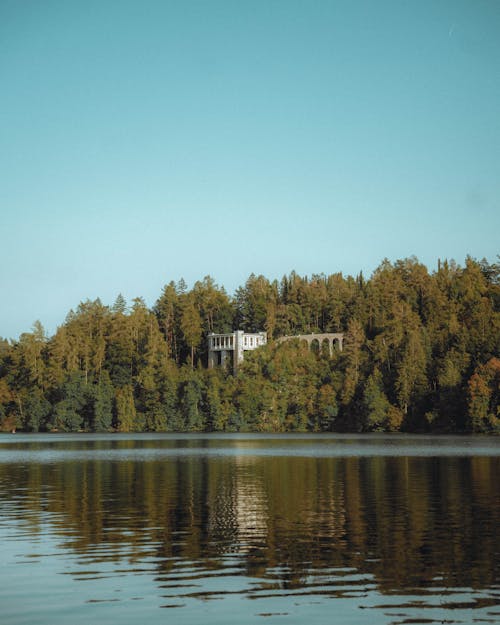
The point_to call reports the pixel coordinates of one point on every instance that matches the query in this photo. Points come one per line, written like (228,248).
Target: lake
(246,528)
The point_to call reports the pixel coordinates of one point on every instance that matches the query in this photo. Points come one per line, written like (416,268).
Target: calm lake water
(249,529)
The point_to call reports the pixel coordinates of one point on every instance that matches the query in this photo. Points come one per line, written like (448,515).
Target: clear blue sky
(146,140)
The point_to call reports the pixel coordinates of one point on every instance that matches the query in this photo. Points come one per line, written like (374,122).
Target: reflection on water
(232,528)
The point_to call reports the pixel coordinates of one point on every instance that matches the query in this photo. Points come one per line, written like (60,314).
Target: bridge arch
(326,347)
(315,345)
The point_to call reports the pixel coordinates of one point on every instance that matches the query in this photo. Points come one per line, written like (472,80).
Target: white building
(235,343)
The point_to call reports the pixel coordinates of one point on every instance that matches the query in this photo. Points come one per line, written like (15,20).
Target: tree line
(421,353)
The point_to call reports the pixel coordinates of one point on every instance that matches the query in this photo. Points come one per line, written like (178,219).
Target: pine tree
(375,403)
(191,326)
(125,409)
(120,305)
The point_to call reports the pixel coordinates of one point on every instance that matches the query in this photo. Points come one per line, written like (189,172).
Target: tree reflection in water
(285,525)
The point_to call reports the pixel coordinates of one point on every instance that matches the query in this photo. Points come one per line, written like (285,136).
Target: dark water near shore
(249,529)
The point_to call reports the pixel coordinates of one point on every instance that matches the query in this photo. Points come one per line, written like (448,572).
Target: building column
(238,349)
(223,357)
(211,358)
(330,346)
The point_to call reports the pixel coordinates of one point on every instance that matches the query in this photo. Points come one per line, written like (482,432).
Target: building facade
(221,346)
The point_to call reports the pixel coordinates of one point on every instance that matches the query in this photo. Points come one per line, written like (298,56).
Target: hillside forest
(421,354)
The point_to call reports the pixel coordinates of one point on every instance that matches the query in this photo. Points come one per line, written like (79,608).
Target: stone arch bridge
(331,339)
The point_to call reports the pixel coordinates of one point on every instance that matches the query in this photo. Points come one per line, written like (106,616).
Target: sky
(142,141)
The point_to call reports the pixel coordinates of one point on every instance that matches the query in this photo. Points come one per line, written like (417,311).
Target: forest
(421,354)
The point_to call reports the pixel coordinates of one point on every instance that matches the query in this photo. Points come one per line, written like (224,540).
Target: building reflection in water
(250,504)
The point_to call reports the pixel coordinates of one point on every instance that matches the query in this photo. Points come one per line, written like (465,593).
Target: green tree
(103,395)
(410,383)
(215,415)
(484,397)
(120,305)
(252,303)
(74,411)
(191,398)
(353,357)
(191,326)
(125,409)
(167,311)
(327,407)
(31,346)
(119,356)
(375,403)
(66,418)
(36,411)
